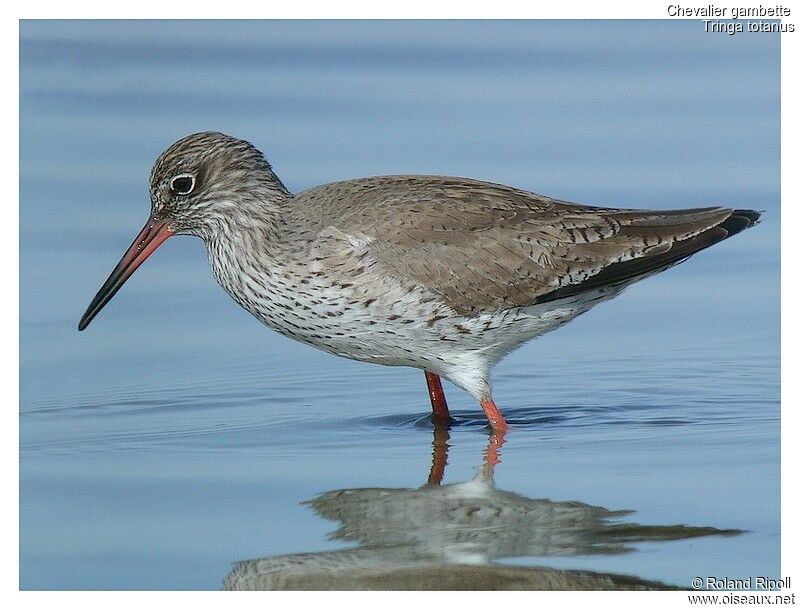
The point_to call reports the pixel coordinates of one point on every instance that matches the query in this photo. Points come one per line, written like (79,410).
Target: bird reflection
(446,537)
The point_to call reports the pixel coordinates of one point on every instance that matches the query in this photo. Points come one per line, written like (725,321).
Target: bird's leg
(440,438)
(440,412)
(493,414)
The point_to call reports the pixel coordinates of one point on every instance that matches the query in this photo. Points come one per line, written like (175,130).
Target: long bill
(154,233)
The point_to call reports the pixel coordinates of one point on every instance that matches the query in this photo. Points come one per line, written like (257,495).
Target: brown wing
(484,246)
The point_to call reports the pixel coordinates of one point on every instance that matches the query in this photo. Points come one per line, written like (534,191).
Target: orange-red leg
(438,402)
(494,416)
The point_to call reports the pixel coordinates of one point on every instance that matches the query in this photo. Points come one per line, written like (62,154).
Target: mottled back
(484,246)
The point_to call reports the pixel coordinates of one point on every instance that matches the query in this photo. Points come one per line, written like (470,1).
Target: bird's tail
(628,271)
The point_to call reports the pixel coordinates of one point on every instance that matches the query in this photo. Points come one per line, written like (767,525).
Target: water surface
(178,444)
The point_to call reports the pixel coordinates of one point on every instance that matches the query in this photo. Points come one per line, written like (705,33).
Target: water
(176,438)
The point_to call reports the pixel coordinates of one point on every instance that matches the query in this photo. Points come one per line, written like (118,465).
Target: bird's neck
(249,243)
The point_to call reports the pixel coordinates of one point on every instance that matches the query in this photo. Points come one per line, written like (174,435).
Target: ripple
(229,418)
(523,418)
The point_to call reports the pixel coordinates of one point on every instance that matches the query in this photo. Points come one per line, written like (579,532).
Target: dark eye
(183,184)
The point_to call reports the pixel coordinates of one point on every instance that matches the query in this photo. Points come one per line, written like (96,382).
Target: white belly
(387,321)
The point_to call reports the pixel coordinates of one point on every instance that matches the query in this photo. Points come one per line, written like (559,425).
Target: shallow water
(177,444)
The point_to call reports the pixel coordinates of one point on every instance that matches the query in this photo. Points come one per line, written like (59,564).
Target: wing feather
(483,246)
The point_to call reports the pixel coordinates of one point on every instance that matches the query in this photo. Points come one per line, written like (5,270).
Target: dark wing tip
(618,273)
(739,220)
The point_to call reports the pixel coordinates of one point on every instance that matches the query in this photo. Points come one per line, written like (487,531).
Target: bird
(444,274)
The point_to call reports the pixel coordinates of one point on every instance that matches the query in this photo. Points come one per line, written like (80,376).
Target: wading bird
(444,274)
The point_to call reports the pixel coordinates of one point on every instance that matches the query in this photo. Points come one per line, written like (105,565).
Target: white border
(9,255)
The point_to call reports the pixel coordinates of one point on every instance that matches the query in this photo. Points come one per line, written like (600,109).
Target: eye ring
(182,184)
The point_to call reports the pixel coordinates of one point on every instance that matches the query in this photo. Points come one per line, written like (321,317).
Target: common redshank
(444,274)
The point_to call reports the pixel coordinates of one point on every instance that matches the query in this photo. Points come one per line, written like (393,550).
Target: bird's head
(203,180)
(201,185)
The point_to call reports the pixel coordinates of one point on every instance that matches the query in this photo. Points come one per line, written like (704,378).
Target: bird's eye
(183,184)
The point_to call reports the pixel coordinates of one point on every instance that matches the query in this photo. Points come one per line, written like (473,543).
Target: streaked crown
(202,180)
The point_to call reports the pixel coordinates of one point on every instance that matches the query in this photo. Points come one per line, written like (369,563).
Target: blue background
(176,436)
